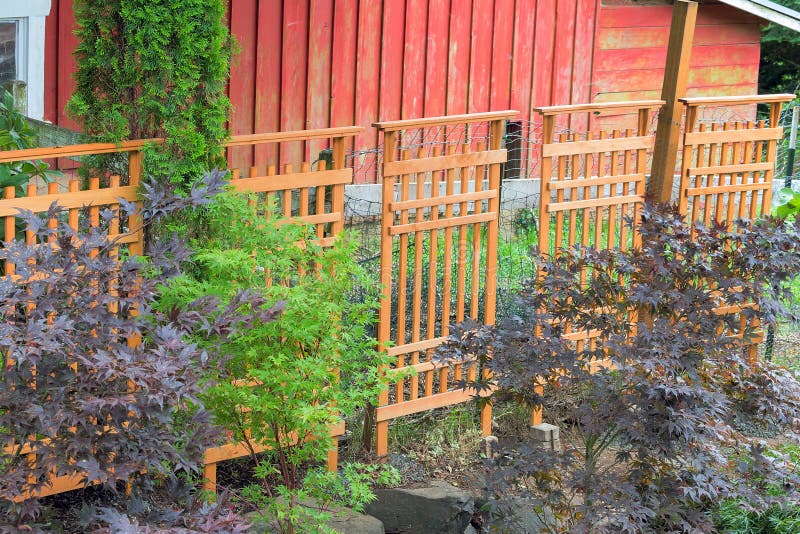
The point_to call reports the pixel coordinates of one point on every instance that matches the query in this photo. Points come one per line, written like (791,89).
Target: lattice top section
(313,191)
(590,183)
(728,165)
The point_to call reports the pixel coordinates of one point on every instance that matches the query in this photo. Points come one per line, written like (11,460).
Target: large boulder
(437,508)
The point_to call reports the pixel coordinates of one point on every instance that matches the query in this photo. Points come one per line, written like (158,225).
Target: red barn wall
(631,51)
(318,63)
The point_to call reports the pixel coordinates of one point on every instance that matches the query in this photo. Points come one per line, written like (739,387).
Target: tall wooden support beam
(676,76)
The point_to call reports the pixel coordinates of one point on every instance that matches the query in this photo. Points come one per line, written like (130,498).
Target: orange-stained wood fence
(436,208)
(313,196)
(728,166)
(727,169)
(441,198)
(592,184)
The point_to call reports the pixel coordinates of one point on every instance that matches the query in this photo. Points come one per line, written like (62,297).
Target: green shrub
(16,134)
(787,203)
(283,385)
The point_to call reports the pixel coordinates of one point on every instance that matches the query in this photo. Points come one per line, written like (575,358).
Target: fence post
(548,126)
(792,147)
(676,77)
(496,130)
(135,221)
(384,331)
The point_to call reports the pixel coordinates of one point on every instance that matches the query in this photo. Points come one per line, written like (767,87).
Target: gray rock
(514,516)
(546,436)
(354,523)
(438,508)
(343,520)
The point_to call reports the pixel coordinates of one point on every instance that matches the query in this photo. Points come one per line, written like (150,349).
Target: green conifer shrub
(155,69)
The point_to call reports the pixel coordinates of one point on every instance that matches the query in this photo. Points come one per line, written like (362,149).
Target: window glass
(8,51)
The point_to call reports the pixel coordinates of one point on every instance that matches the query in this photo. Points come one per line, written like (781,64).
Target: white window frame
(30,50)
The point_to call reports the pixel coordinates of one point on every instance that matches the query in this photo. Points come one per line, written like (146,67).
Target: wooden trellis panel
(728,166)
(439,251)
(307,192)
(591,182)
(80,204)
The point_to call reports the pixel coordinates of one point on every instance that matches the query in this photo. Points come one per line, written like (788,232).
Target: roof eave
(770,11)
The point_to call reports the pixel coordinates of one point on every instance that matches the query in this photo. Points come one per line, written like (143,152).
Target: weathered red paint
(368,76)
(544,44)
(67,41)
(394,16)
(561,91)
(267,109)
(343,78)
(458,53)
(480,69)
(294,76)
(244,21)
(317,63)
(320,40)
(436,58)
(502,43)
(630,52)
(414,59)
(522,66)
(585,19)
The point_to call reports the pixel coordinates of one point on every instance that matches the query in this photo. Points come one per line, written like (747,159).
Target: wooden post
(676,76)
(496,129)
(384,321)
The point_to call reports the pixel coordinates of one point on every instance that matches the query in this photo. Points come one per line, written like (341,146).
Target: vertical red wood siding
(244,21)
(458,56)
(267,105)
(630,53)
(436,58)
(318,63)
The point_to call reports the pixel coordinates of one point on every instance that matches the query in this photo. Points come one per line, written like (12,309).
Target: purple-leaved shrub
(661,387)
(95,380)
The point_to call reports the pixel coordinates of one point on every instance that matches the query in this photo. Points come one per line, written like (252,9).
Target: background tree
(780,57)
(155,68)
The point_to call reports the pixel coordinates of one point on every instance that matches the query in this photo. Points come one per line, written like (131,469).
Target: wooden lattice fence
(440,210)
(727,169)
(298,193)
(436,209)
(592,186)
(728,165)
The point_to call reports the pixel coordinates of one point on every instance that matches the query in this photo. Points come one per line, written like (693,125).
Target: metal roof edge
(770,11)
